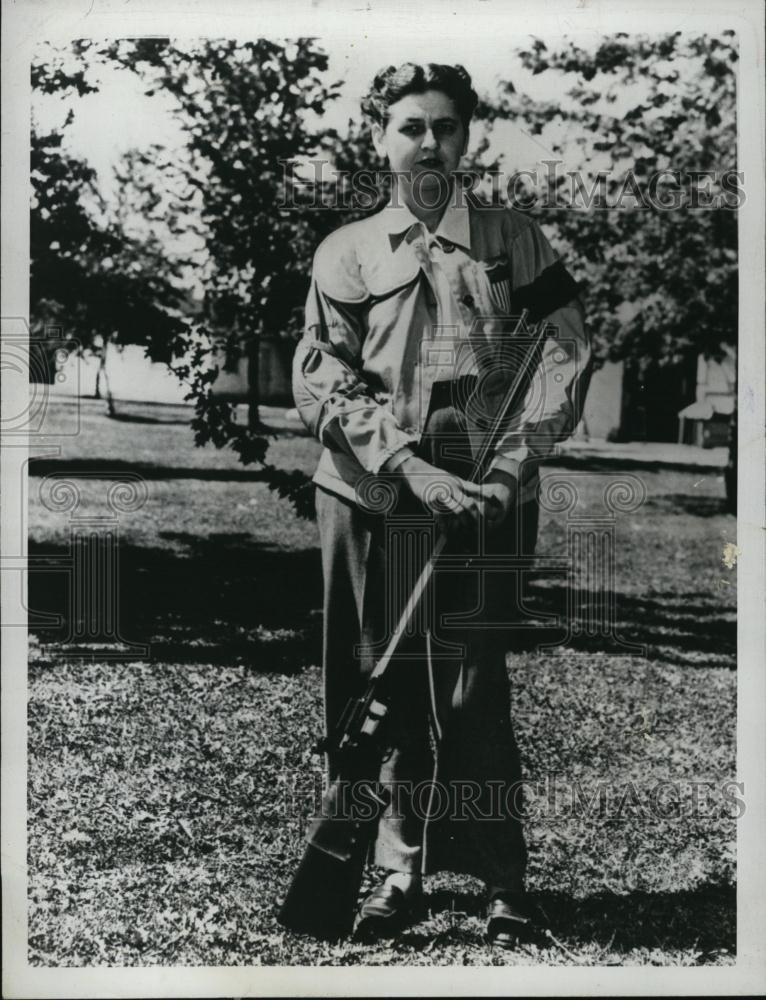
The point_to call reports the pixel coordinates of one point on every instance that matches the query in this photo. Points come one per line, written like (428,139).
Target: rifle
(322,896)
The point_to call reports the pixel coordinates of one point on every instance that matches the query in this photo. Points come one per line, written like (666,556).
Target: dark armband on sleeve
(552,288)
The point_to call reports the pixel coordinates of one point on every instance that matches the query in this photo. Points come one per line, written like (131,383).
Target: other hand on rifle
(500,490)
(458,503)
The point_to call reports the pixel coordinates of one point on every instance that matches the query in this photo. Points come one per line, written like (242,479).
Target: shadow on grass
(682,503)
(138,418)
(704,919)
(103,468)
(621,462)
(230,599)
(233,599)
(679,628)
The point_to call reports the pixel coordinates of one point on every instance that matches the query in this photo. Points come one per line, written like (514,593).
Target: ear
(378,132)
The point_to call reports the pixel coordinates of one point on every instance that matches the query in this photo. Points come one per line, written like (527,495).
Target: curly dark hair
(393,83)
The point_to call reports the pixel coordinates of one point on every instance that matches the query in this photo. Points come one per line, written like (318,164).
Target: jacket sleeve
(552,405)
(333,399)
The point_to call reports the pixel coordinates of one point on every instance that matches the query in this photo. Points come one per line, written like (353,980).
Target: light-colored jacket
(392,309)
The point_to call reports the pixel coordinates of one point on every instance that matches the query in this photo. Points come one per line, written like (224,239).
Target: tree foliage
(248,109)
(88,276)
(643,131)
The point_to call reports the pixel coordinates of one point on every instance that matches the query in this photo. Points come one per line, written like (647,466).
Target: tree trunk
(253,378)
(99,372)
(101,376)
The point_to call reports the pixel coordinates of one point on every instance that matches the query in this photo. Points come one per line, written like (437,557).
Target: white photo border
(26,23)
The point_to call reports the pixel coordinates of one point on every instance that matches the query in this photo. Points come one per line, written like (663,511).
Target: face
(423,139)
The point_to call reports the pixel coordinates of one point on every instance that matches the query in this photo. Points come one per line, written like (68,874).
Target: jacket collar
(398,223)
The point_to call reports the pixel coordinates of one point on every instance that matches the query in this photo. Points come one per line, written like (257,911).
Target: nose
(429,140)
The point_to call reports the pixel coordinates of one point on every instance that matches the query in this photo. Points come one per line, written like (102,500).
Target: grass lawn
(168,792)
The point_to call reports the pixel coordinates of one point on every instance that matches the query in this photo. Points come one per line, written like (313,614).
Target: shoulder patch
(336,266)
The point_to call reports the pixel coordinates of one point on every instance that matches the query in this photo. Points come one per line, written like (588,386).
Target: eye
(447,128)
(410,129)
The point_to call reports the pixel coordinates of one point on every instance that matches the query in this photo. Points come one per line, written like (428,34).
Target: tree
(87,275)
(662,280)
(247,110)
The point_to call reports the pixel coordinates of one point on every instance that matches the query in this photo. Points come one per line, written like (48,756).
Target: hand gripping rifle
(322,896)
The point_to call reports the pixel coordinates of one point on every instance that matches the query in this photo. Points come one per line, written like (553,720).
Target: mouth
(431,163)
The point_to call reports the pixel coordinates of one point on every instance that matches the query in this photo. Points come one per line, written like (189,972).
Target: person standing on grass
(407,323)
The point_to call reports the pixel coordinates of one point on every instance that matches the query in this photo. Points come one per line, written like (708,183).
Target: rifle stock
(322,896)
(323,892)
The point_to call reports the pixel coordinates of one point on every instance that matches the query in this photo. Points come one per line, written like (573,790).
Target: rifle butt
(322,897)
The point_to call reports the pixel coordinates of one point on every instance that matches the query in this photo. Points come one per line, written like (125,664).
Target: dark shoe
(508,920)
(384,912)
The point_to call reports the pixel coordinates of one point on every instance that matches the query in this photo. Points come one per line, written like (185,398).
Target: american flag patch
(498,274)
